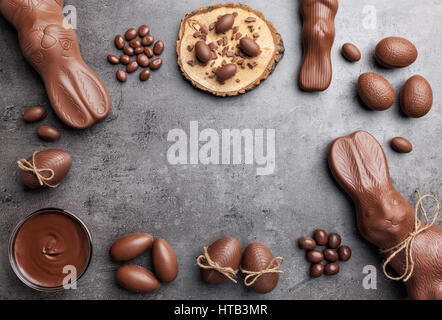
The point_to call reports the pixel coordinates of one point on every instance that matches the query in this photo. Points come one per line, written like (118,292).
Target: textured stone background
(120,181)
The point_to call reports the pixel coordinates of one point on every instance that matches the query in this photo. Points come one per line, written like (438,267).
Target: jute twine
(407,244)
(205,262)
(253,276)
(25,165)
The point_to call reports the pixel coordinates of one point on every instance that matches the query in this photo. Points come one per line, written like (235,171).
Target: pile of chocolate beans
(141,49)
(333,252)
(137,278)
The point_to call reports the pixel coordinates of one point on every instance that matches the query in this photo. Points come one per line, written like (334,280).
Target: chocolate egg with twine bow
(45,169)
(220,262)
(261,268)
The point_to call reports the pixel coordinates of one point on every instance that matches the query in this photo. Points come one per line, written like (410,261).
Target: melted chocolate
(47,242)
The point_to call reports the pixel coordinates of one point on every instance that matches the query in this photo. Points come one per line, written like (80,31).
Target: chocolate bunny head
(359,165)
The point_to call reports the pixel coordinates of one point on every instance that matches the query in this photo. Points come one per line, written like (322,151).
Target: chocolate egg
(33,114)
(227,253)
(225,72)
(202,51)
(137,279)
(416,97)
(351,52)
(395,52)
(48,133)
(55,159)
(257,257)
(224,23)
(375,91)
(130,246)
(249,47)
(165,264)
(401,145)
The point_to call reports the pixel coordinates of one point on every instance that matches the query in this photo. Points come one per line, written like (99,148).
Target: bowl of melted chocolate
(50,249)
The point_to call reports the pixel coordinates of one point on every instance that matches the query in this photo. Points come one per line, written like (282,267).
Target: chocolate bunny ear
(77,95)
(358,163)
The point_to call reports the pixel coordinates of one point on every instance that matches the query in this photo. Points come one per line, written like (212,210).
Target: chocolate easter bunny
(318,35)
(384,217)
(50,45)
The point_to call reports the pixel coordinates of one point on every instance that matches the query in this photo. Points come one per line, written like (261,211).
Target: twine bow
(205,262)
(253,276)
(407,244)
(25,165)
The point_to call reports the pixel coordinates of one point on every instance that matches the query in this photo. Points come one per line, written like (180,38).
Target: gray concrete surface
(121,182)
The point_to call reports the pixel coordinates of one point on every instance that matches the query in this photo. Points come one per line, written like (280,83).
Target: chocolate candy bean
(331,255)
(331,268)
(334,240)
(34,114)
(130,34)
(249,47)
(158,47)
(132,67)
(138,50)
(148,51)
(143,60)
(113,59)
(124,59)
(315,256)
(147,40)
(144,75)
(128,50)
(48,133)
(119,41)
(224,23)
(317,270)
(143,30)
(135,43)
(226,72)
(344,253)
(307,243)
(202,51)
(121,75)
(321,237)
(155,63)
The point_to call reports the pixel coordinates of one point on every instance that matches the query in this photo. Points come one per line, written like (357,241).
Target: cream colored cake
(248,23)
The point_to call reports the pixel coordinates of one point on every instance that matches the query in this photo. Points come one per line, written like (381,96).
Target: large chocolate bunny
(384,217)
(50,45)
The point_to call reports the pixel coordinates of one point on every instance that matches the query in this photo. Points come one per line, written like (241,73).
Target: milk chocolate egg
(227,253)
(226,72)
(202,51)
(375,91)
(258,257)
(224,23)
(401,145)
(48,133)
(351,52)
(395,52)
(130,246)
(33,114)
(165,264)
(55,159)
(249,47)
(137,279)
(416,97)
